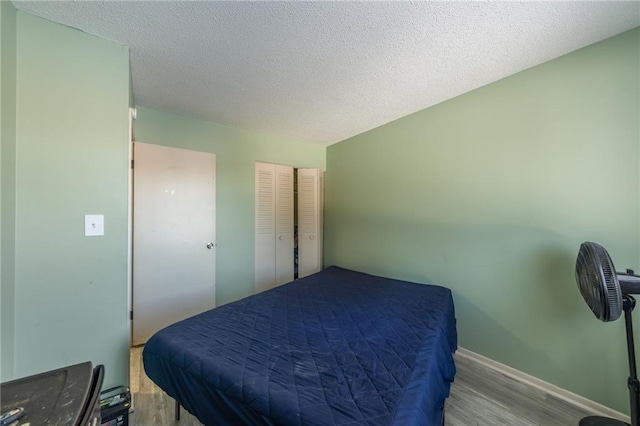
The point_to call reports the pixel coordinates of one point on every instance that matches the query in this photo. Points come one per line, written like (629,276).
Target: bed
(336,348)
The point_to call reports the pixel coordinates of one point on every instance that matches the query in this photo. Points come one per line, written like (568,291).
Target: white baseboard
(575,399)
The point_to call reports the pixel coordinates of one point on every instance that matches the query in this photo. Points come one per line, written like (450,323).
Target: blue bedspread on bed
(336,348)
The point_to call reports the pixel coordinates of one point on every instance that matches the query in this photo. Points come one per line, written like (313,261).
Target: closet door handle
(312,237)
(210,246)
(281,238)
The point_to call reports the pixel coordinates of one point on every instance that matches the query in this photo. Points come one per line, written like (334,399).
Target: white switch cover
(93,225)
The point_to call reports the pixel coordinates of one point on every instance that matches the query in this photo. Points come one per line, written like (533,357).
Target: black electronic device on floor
(114,404)
(66,396)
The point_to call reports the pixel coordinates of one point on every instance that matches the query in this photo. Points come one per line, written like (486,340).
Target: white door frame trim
(132,117)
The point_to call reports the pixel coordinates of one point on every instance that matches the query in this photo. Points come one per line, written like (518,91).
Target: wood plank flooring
(480,396)
(152,407)
(483,396)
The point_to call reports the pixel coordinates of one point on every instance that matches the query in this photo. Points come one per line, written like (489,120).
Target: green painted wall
(491,194)
(236,153)
(132,102)
(72,160)
(7,185)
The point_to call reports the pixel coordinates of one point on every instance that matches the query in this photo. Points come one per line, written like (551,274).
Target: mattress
(336,348)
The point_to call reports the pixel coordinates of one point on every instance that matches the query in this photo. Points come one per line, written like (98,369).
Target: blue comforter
(336,348)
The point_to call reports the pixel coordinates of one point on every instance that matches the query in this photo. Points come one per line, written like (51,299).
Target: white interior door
(310,221)
(174,240)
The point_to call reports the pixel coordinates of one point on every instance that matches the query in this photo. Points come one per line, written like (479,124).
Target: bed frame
(339,347)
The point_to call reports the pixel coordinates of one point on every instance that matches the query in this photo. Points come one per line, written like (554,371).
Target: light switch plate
(93,225)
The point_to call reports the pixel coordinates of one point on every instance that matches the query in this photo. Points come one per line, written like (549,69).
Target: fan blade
(598,281)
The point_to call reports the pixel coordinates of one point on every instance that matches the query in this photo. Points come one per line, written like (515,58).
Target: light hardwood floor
(479,396)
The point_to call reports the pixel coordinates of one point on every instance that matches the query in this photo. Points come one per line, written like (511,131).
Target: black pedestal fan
(608,294)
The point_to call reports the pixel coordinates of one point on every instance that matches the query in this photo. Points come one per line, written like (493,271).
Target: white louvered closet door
(265,228)
(284,224)
(274,262)
(310,222)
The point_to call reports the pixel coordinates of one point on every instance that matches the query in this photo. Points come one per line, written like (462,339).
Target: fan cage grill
(598,282)
(614,299)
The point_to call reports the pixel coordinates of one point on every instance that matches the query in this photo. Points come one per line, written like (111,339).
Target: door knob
(281,238)
(210,246)
(311,237)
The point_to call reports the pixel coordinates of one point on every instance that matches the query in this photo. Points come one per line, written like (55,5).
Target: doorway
(288,224)
(174,237)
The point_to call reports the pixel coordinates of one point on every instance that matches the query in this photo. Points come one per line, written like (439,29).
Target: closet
(310,187)
(288,224)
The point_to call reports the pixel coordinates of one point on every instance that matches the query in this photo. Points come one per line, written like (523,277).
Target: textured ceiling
(324,71)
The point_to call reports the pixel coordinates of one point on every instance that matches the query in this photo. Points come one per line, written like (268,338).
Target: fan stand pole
(628,303)
(634,386)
